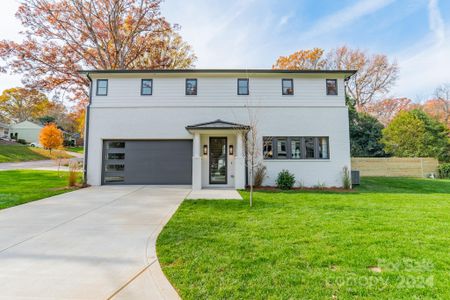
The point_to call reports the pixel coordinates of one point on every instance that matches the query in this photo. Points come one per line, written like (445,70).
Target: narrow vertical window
(102,87)
(309,146)
(332,87)
(267,147)
(323,148)
(296,148)
(281,148)
(146,87)
(243,86)
(191,87)
(287,86)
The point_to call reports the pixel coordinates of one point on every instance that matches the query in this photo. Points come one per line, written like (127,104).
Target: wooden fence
(395,166)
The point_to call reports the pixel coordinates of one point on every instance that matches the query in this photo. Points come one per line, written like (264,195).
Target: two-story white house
(187,126)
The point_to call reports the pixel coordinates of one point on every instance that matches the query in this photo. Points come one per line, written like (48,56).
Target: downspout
(86,131)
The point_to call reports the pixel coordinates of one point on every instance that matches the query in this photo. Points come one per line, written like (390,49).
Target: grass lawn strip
(387,240)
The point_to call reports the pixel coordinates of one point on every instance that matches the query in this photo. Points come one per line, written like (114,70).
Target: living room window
(102,87)
(332,87)
(146,87)
(287,86)
(191,87)
(296,147)
(243,86)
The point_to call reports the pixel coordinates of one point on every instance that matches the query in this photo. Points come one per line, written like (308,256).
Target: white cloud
(425,65)
(344,17)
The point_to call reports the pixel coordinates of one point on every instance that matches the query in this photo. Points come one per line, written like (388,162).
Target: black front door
(217,160)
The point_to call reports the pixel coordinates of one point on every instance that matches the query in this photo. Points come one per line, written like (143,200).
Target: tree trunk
(251,186)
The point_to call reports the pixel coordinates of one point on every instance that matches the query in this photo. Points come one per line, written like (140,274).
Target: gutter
(86,131)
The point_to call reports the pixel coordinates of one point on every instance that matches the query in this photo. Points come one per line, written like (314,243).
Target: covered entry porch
(218,155)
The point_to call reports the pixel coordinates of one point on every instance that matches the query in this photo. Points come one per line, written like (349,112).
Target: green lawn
(17,153)
(76,149)
(18,187)
(14,153)
(314,245)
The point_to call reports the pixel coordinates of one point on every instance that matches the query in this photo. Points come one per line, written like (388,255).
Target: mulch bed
(310,189)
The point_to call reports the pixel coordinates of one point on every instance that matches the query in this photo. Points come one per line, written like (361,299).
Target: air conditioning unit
(355,177)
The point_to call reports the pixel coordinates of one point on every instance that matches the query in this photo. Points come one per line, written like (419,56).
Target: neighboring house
(4,130)
(183,126)
(25,130)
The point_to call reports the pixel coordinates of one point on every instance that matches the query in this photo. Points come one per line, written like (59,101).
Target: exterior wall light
(231,150)
(205,150)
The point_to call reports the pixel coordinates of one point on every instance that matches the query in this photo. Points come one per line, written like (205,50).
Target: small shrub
(346,179)
(444,170)
(22,141)
(285,180)
(260,174)
(73,173)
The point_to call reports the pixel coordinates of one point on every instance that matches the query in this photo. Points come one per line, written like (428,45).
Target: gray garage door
(147,162)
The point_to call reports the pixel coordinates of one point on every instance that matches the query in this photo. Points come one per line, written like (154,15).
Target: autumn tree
(439,106)
(20,104)
(416,134)
(376,74)
(385,110)
(64,36)
(302,60)
(51,137)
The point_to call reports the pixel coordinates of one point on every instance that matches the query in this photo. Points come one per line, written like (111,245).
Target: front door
(217,160)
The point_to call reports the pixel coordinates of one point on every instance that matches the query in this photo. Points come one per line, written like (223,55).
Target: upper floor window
(243,86)
(191,87)
(102,87)
(287,86)
(296,147)
(146,87)
(332,87)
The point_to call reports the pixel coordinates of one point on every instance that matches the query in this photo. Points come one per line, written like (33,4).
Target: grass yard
(22,186)
(17,153)
(76,149)
(389,239)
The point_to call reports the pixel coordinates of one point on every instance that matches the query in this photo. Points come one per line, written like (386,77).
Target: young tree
(64,36)
(415,134)
(51,137)
(365,134)
(376,74)
(20,104)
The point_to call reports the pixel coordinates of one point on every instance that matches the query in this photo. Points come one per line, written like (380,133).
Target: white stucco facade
(126,115)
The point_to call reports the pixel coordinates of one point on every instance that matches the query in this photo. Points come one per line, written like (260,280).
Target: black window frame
(326,86)
(282,86)
(186,86)
(273,140)
(248,86)
(97,87)
(142,87)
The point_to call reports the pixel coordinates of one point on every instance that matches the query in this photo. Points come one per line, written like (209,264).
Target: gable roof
(26,124)
(218,124)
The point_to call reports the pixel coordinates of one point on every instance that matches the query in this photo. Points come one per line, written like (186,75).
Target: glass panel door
(218,160)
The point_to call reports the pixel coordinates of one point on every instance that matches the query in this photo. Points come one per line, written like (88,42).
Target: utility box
(355,177)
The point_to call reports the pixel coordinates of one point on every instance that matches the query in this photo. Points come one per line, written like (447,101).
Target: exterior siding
(170,122)
(218,91)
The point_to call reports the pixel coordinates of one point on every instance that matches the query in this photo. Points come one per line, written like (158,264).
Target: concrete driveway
(95,243)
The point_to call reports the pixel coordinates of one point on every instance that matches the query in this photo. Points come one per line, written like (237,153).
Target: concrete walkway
(214,194)
(95,243)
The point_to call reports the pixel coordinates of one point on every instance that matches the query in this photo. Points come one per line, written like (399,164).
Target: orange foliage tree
(376,74)
(386,109)
(64,36)
(51,137)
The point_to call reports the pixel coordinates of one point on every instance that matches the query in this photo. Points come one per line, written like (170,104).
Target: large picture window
(296,147)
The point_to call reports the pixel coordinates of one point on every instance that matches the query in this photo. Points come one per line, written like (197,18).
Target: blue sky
(253,33)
